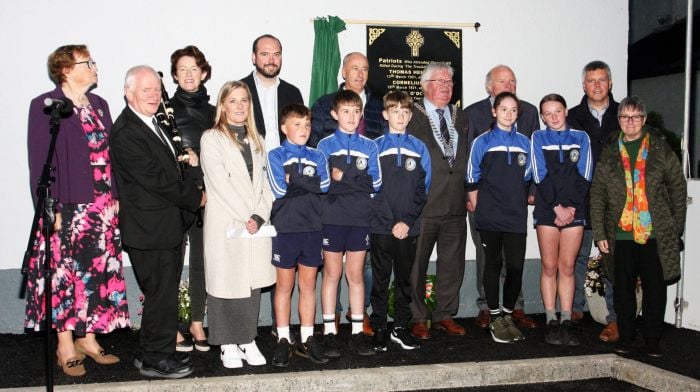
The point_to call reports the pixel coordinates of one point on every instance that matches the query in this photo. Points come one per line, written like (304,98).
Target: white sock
(307,332)
(357,320)
(283,333)
(329,324)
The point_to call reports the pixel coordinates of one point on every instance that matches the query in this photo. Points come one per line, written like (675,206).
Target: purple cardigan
(73,174)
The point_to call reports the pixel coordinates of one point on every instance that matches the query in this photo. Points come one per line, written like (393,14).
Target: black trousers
(198,291)
(391,254)
(158,273)
(450,234)
(512,247)
(632,260)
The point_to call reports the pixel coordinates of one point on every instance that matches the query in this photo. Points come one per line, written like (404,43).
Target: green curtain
(326,62)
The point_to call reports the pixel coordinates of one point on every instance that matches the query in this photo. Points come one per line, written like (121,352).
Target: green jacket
(666,191)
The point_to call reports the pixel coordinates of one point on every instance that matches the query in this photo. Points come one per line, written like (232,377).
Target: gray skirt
(233,321)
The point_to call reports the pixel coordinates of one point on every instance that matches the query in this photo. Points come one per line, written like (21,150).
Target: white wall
(691,290)
(546,42)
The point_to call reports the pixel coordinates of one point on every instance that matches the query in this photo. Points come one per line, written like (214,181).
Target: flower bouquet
(430,296)
(183,304)
(594,277)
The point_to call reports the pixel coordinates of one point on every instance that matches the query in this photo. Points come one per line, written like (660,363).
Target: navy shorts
(290,249)
(546,218)
(337,238)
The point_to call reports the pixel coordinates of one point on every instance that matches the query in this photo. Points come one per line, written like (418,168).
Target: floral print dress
(88,287)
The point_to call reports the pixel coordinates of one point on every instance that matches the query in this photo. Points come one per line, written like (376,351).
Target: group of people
(283,191)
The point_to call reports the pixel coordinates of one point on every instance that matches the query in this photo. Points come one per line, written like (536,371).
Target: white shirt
(268,105)
(149,122)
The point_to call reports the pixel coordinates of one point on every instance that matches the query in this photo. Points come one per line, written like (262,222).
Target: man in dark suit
(269,92)
(499,79)
(153,197)
(443,129)
(597,116)
(355,73)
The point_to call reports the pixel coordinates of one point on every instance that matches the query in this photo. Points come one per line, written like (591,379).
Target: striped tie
(446,140)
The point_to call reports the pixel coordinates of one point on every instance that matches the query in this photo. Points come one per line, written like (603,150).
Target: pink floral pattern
(89,291)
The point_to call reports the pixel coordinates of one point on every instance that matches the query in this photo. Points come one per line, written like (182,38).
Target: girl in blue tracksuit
(562,168)
(498,174)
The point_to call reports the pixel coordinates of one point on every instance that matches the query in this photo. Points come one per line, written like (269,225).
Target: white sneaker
(250,353)
(231,356)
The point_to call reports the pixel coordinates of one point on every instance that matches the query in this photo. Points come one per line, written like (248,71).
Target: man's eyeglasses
(635,118)
(90,63)
(444,82)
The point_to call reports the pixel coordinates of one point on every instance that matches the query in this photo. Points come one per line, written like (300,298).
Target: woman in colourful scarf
(638,208)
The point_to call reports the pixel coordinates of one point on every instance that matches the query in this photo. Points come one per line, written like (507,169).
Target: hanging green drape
(326,62)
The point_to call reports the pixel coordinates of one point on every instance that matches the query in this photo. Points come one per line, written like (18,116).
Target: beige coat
(234,266)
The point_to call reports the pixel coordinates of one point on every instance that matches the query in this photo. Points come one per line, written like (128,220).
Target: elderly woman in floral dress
(88,289)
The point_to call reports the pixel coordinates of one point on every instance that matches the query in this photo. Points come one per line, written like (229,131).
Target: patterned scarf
(635,216)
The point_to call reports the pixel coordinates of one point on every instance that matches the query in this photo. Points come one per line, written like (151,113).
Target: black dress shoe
(622,347)
(653,349)
(169,367)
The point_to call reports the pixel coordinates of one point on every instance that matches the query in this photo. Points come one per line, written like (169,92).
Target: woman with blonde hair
(238,197)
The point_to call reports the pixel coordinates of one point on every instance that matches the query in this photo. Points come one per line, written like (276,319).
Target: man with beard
(270,93)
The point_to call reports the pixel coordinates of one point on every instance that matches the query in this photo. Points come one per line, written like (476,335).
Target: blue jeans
(580,270)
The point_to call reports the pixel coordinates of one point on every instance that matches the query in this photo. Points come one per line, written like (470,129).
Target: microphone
(62,105)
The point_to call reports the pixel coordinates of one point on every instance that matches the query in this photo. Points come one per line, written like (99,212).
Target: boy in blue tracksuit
(355,175)
(298,175)
(406,171)
(498,175)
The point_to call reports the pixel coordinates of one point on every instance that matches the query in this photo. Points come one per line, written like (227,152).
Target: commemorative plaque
(397,56)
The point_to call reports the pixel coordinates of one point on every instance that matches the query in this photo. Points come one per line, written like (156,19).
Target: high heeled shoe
(72,366)
(100,356)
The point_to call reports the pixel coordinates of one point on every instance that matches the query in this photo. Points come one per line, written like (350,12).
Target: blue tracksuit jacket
(562,168)
(297,206)
(406,171)
(499,168)
(348,201)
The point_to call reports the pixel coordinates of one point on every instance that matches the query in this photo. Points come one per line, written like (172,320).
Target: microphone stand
(44,210)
